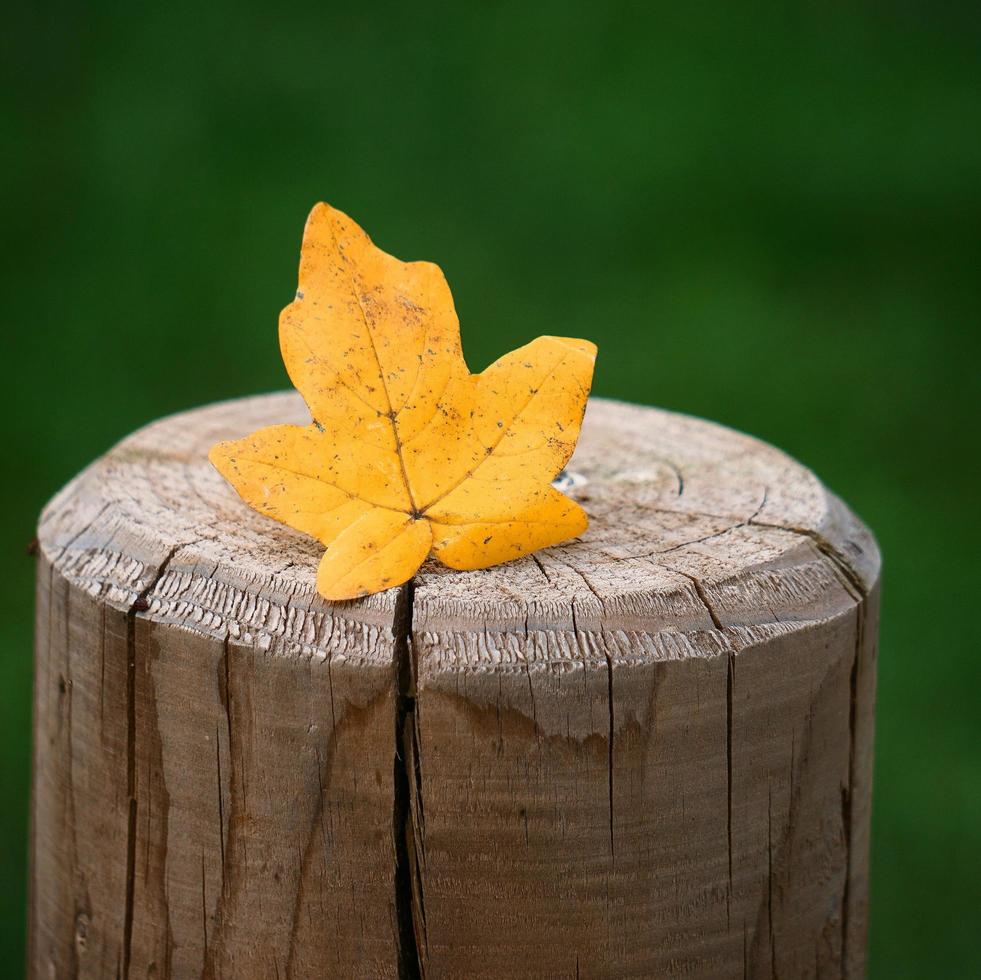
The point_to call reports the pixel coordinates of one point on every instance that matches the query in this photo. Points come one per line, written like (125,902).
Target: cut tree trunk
(645,753)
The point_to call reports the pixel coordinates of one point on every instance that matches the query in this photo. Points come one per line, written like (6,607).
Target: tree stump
(645,753)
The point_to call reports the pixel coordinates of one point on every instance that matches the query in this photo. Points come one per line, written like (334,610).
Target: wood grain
(643,753)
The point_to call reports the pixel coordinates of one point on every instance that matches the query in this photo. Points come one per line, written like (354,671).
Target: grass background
(769,215)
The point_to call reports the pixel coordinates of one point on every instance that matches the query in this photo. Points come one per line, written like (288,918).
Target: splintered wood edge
(701,539)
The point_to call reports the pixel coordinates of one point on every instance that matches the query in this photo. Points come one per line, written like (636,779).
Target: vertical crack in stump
(730,678)
(609,762)
(409,965)
(140,604)
(848,791)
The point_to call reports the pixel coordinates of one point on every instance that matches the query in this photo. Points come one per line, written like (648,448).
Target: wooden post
(646,753)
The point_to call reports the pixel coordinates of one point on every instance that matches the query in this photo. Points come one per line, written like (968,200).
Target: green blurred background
(766,215)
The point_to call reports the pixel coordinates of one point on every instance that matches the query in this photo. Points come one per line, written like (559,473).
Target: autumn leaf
(408,453)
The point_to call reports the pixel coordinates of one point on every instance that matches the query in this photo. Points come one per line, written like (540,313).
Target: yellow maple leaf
(408,453)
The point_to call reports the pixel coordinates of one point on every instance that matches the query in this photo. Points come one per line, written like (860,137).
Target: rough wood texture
(645,753)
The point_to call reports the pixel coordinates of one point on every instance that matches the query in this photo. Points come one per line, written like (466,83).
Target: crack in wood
(842,566)
(609,761)
(730,679)
(702,595)
(418,829)
(409,961)
(139,604)
(848,791)
(856,588)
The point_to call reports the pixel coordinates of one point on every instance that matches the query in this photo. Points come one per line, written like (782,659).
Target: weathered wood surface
(645,753)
